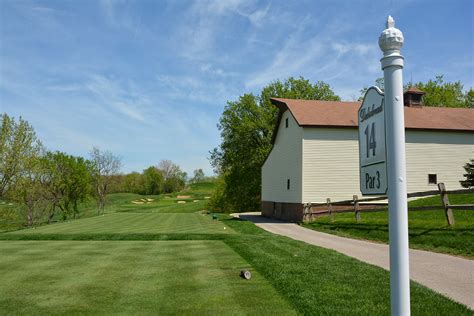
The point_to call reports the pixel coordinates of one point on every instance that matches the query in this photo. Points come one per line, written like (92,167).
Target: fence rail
(365,205)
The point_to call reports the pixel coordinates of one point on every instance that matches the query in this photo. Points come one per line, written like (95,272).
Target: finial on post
(391,39)
(390,22)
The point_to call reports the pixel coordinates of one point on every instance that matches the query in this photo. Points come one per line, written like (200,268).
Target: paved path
(449,275)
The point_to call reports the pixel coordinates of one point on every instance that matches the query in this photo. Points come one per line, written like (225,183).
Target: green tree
(134,182)
(440,93)
(153,180)
(31,191)
(18,146)
(469,175)
(246,127)
(469,102)
(69,182)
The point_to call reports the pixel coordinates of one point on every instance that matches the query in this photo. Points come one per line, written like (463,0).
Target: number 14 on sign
(372,153)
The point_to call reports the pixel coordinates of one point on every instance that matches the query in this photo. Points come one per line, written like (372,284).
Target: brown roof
(344,114)
(414,90)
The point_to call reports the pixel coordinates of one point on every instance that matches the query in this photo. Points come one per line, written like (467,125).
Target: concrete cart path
(448,275)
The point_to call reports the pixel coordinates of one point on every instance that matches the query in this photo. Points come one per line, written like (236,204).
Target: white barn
(315,152)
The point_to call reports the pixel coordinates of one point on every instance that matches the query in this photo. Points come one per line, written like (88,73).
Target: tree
(440,93)
(246,127)
(104,164)
(437,92)
(198,176)
(469,175)
(379,82)
(153,180)
(135,183)
(470,98)
(30,191)
(168,168)
(18,146)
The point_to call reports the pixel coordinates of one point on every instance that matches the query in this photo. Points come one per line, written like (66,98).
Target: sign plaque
(372,150)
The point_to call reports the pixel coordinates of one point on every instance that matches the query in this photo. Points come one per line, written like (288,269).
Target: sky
(148,80)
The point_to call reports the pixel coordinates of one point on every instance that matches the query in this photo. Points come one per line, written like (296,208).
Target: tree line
(246,127)
(49,185)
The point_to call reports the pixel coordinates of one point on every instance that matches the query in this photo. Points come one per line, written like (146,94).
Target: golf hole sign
(372,152)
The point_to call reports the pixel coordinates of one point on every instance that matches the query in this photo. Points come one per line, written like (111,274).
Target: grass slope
(427,229)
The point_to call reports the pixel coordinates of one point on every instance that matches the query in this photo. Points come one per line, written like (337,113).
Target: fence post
(356,208)
(306,214)
(328,203)
(445,200)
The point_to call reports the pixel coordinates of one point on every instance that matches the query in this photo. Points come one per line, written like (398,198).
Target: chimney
(413,97)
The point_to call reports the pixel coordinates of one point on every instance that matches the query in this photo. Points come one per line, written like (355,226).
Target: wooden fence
(357,206)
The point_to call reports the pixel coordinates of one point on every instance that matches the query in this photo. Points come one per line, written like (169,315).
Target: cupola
(413,97)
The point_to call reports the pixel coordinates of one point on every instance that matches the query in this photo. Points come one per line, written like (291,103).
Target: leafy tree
(246,127)
(70,178)
(440,93)
(135,183)
(469,102)
(31,191)
(198,176)
(437,92)
(469,175)
(104,164)
(18,146)
(153,180)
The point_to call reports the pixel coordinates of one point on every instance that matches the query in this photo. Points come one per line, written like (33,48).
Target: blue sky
(148,80)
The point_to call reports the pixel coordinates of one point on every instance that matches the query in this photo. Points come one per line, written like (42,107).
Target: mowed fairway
(130,277)
(136,223)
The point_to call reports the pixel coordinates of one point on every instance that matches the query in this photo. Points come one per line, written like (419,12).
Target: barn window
(286,123)
(287,184)
(432,178)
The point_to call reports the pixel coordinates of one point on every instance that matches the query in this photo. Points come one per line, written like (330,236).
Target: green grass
(147,260)
(131,277)
(318,281)
(134,223)
(428,230)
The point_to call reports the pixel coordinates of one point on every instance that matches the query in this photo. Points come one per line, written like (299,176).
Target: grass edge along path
(428,230)
(322,281)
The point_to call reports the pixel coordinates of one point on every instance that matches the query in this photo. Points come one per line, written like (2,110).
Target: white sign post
(390,42)
(372,153)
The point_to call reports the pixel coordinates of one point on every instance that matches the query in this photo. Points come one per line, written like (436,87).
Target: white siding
(284,162)
(331,161)
(330,164)
(443,154)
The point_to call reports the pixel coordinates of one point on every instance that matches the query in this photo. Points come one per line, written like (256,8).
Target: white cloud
(117,96)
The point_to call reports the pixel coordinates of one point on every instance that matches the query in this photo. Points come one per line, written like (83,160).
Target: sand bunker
(183,197)
(138,202)
(196,201)
(181,202)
